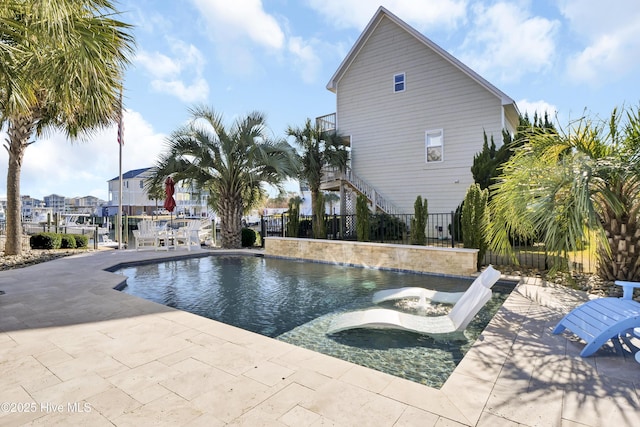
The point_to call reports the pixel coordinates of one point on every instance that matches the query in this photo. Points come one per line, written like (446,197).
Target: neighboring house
(191,201)
(30,207)
(414,117)
(136,201)
(56,203)
(84,205)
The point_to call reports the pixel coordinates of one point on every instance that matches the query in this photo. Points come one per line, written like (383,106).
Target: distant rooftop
(131,174)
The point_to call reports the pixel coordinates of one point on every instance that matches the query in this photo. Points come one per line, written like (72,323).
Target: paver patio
(73,351)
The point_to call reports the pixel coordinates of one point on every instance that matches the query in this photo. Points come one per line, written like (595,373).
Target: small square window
(434,141)
(398,82)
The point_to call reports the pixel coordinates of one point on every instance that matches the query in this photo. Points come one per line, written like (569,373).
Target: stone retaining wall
(427,259)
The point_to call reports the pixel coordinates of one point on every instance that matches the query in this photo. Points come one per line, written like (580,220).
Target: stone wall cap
(349,242)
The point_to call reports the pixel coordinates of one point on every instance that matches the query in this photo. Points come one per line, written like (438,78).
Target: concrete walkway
(73,351)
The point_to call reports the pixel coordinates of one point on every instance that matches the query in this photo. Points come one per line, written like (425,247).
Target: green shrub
(248,237)
(45,241)
(293,226)
(82,241)
(419,222)
(385,227)
(58,241)
(475,217)
(67,241)
(455,228)
(362,218)
(305,228)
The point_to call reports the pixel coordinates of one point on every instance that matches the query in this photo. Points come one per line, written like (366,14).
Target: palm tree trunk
(314,209)
(20,129)
(231,222)
(317,214)
(623,237)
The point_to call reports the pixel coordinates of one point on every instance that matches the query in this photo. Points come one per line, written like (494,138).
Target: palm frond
(561,186)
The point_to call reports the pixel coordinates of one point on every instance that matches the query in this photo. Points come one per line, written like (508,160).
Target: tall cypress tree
(419,222)
(475,217)
(484,163)
(362,218)
(487,164)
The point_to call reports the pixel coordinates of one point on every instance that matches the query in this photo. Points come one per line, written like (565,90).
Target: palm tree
(319,149)
(564,185)
(331,198)
(155,191)
(232,164)
(15,87)
(66,62)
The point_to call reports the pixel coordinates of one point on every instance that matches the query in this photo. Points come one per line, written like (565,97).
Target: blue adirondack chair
(602,319)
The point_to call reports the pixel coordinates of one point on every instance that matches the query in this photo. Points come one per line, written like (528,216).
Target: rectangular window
(141,184)
(434,141)
(398,82)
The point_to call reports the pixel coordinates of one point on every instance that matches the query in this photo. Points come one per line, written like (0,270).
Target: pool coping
(51,311)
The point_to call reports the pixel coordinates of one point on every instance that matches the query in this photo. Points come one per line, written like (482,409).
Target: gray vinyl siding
(388,129)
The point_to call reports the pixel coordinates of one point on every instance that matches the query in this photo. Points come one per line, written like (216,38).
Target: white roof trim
(371,26)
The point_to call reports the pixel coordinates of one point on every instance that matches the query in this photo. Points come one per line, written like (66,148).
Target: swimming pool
(294,301)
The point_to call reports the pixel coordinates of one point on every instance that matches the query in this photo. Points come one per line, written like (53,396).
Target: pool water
(295,301)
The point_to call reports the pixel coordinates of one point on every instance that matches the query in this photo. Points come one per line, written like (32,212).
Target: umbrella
(169,202)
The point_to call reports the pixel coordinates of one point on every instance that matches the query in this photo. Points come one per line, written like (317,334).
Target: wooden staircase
(333,177)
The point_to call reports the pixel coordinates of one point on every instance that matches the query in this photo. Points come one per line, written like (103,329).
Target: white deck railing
(377,201)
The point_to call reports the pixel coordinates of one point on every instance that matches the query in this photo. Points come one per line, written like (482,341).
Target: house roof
(131,174)
(370,28)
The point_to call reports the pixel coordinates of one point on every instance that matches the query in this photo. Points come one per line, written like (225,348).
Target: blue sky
(276,56)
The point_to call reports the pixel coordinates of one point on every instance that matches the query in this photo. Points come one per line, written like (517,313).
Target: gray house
(414,117)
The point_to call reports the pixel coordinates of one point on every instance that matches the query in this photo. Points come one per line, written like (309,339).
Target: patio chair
(454,322)
(599,320)
(145,235)
(188,235)
(487,279)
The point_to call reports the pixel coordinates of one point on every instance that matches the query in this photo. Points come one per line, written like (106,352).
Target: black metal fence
(442,230)
(383,228)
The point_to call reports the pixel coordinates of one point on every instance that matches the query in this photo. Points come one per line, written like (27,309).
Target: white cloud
(196,91)
(610,33)
(420,14)
(245,19)
(236,28)
(54,165)
(144,19)
(305,59)
(170,73)
(158,64)
(591,18)
(540,107)
(506,41)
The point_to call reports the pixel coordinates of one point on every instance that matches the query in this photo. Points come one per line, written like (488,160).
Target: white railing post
(369,191)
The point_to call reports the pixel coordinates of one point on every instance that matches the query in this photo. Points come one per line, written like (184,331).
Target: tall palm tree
(232,163)
(66,61)
(319,149)
(564,185)
(331,198)
(155,191)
